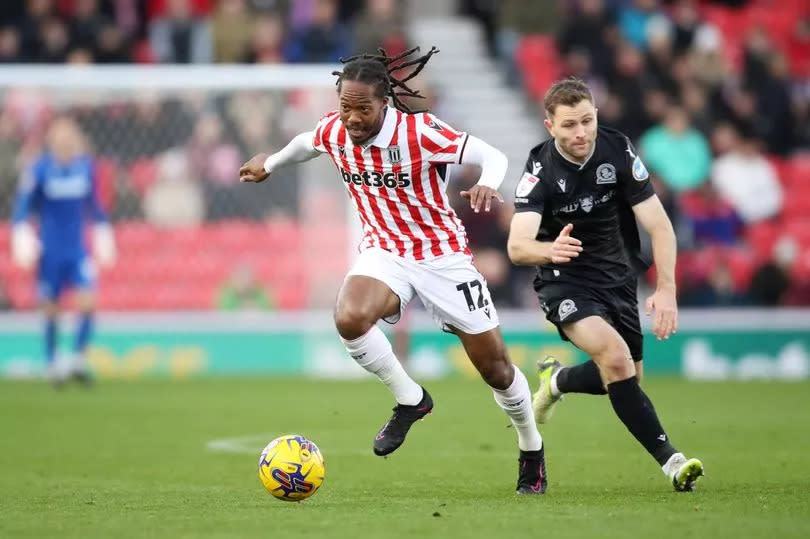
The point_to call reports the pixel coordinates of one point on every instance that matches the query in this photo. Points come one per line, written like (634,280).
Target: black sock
(582,378)
(637,413)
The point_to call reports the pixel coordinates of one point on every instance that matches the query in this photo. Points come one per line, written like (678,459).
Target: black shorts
(564,303)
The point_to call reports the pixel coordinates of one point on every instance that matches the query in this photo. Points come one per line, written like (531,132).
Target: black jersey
(597,198)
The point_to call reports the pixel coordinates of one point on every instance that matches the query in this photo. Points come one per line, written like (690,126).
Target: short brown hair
(566,92)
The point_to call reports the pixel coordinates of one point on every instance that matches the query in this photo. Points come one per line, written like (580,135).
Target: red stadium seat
(799,228)
(797,171)
(762,237)
(135,235)
(234,235)
(797,205)
(5,235)
(142,173)
(537,56)
(106,171)
(142,52)
(741,264)
(781,167)
(290,297)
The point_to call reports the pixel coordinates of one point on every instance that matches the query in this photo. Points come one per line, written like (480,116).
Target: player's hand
(565,248)
(104,244)
(480,195)
(25,246)
(666,312)
(253,171)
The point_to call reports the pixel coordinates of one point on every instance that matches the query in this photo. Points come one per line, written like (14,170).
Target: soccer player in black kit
(576,207)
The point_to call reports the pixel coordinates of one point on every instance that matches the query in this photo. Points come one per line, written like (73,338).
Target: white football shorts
(452,290)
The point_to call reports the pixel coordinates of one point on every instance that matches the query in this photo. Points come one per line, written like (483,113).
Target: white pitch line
(242,444)
(252,445)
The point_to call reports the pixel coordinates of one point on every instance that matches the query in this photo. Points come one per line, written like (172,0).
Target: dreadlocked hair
(378,70)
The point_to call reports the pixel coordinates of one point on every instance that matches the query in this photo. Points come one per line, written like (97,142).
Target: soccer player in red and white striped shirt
(394,165)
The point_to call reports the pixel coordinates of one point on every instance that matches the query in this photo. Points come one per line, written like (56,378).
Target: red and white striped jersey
(396,184)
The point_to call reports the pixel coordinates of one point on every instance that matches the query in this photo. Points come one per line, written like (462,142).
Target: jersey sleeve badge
(640,172)
(526,184)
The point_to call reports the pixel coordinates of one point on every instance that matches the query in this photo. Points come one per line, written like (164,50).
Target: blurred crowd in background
(715,95)
(196,31)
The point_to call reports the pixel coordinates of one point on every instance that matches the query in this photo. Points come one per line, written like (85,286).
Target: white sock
(555,391)
(373,352)
(672,464)
(79,361)
(516,401)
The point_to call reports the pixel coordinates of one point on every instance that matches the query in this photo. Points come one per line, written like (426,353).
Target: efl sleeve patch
(526,184)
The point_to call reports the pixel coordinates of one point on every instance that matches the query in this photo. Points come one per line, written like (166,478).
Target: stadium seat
(762,236)
(797,171)
(799,228)
(797,205)
(143,173)
(801,268)
(134,235)
(5,236)
(106,172)
(781,167)
(293,296)
(142,52)
(537,57)
(741,263)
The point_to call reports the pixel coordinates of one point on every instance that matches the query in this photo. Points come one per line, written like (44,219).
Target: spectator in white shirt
(748,181)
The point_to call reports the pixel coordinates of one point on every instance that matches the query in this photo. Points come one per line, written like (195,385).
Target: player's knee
(353,322)
(86,306)
(616,363)
(498,374)
(50,309)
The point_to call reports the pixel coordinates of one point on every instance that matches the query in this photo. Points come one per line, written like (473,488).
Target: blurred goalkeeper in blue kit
(60,188)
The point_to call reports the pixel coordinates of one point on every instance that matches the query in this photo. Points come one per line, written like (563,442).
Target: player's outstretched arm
(650,213)
(493,165)
(525,250)
(260,166)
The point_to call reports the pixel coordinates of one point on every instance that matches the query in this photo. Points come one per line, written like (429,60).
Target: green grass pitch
(178,459)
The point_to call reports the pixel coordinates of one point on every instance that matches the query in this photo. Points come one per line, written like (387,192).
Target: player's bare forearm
(664,302)
(527,252)
(650,213)
(665,249)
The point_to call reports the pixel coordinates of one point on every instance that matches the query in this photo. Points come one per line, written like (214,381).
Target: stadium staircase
(472,92)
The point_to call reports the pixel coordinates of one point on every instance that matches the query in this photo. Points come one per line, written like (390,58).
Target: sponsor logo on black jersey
(586,203)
